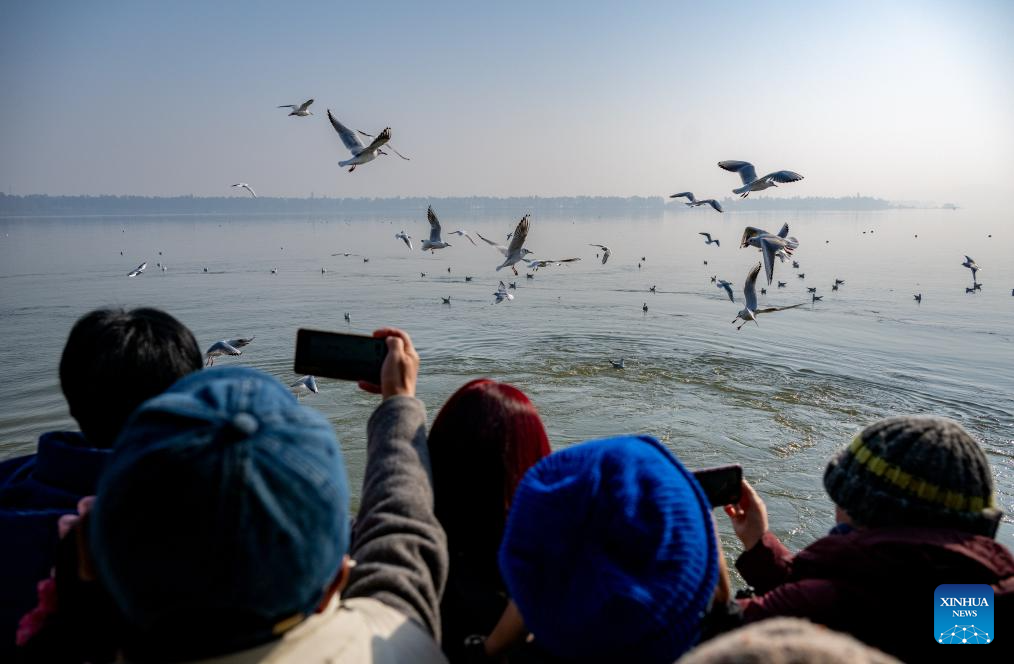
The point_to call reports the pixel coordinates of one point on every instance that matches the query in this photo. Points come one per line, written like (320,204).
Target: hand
(400,370)
(749,517)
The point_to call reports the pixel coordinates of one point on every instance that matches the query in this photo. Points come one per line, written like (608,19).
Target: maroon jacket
(875,584)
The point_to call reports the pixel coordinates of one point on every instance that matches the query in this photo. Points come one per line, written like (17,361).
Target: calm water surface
(778,398)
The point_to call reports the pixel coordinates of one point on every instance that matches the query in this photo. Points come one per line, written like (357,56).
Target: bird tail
(742,190)
(791,244)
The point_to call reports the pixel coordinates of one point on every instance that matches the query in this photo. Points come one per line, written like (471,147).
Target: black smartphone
(337,355)
(721,484)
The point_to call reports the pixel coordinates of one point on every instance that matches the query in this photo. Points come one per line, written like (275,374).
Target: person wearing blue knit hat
(610,552)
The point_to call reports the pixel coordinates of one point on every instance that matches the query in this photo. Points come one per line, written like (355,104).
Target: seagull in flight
(299,111)
(515,252)
(770,246)
(750,311)
(464,233)
(247,187)
(537,263)
(138,270)
(708,240)
(434,242)
(605,252)
(727,285)
(360,154)
(971,265)
(305,385)
(693,202)
(753,183)
(501,294)
(406,238)
(225,347)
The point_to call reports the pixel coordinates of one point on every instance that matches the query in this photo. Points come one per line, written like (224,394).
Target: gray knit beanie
(914,471)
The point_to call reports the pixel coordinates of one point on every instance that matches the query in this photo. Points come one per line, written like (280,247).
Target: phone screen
(721,484)
(337,355)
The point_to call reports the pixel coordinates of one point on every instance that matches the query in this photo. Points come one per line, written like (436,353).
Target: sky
(910,101)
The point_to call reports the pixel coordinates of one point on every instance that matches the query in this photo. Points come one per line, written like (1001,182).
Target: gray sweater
(399,546)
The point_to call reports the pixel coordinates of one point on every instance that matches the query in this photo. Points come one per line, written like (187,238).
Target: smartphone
(721,484)
(337,355)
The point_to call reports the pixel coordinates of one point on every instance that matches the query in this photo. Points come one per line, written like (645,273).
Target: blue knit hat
(610,552)
(222,516)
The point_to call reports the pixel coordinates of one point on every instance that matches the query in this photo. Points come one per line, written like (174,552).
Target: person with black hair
(113,361)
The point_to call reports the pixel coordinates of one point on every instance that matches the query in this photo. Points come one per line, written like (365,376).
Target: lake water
(778,398)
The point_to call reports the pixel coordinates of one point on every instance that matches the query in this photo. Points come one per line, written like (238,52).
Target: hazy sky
(905,100)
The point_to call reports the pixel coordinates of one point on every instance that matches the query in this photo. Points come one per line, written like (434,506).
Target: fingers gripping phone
(721,484)
(341,356)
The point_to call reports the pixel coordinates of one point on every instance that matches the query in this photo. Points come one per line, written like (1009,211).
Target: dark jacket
(875,584)
(35,491)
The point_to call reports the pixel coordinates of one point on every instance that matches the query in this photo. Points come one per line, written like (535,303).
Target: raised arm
(398,545)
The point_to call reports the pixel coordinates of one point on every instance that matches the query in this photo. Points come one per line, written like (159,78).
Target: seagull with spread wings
(693,202)
(751,182)
(464,233)
(535,264)
(708,240)
(727,285)
(406,238)
(780,245)
(138,270)
(515,252)
(501,294)
(434,242)
(750,311)
(305,385)
(605,252)
(299,111)
(225,347)
(247,187)
(361,154)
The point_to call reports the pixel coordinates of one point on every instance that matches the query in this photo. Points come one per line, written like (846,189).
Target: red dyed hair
(481,443)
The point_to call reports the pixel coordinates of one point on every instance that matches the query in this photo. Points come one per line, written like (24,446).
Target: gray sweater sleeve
(398,545)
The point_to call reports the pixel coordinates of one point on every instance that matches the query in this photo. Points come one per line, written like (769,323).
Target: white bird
(434,242)
(727,285)
(464,233)
(971,265)
(750,311)
(605,252)
(708,240)
(514,252)
(360,154)
(299,111)
(247,187)
(305,385)
(617,364)
(535,264)
(225,347)
(693,202)
(750,180)
(138,270)
(770,246)
(406,238)
(501,294)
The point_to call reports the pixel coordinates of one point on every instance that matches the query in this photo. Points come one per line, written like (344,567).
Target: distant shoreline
(40,205)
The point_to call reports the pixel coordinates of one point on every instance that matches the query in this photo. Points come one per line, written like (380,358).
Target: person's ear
(341,579)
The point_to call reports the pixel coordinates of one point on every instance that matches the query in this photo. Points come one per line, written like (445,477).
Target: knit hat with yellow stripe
(914,471)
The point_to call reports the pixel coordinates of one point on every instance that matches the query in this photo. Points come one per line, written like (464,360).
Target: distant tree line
(44,205)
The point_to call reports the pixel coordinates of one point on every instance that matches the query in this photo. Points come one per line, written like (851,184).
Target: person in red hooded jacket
(915,508)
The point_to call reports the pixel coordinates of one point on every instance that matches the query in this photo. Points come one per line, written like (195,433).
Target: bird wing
(768,310)
(768,251)
(292,106)
(706,235)
(391,147)
(348,136)
(750,288)
(499,247)
(784,232)
(223,347)
(748,233)
(713,203)
(783,176)
(250,189)
(968,259)
(407,241)
(239,343)
(469,237)
(305,105)
(520,235)
(745,169)
(689,195)
(378,142)
(728,289)
(434,224)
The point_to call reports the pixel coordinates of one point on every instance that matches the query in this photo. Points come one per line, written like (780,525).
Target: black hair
(115,360)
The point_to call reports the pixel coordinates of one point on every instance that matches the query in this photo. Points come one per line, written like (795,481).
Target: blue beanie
(610,552)
(222,516)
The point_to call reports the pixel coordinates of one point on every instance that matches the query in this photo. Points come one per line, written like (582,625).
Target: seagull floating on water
(434,242)
(138,270)
(644,307)
(299,111)
(513,253)
(360,154)
(462,233)
(781,284)
(917,298)
(750,311)
(244,185)
(811,290)
(751,182)
(770,246)
(446,300)
(501,294)
(708,240)
(817,297)
(617,364)
(693,202)
(605,252)
(406,238)
(224,347)
(305,385)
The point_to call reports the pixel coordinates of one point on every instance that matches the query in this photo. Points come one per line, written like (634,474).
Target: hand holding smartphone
(722,484)
(342,356)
